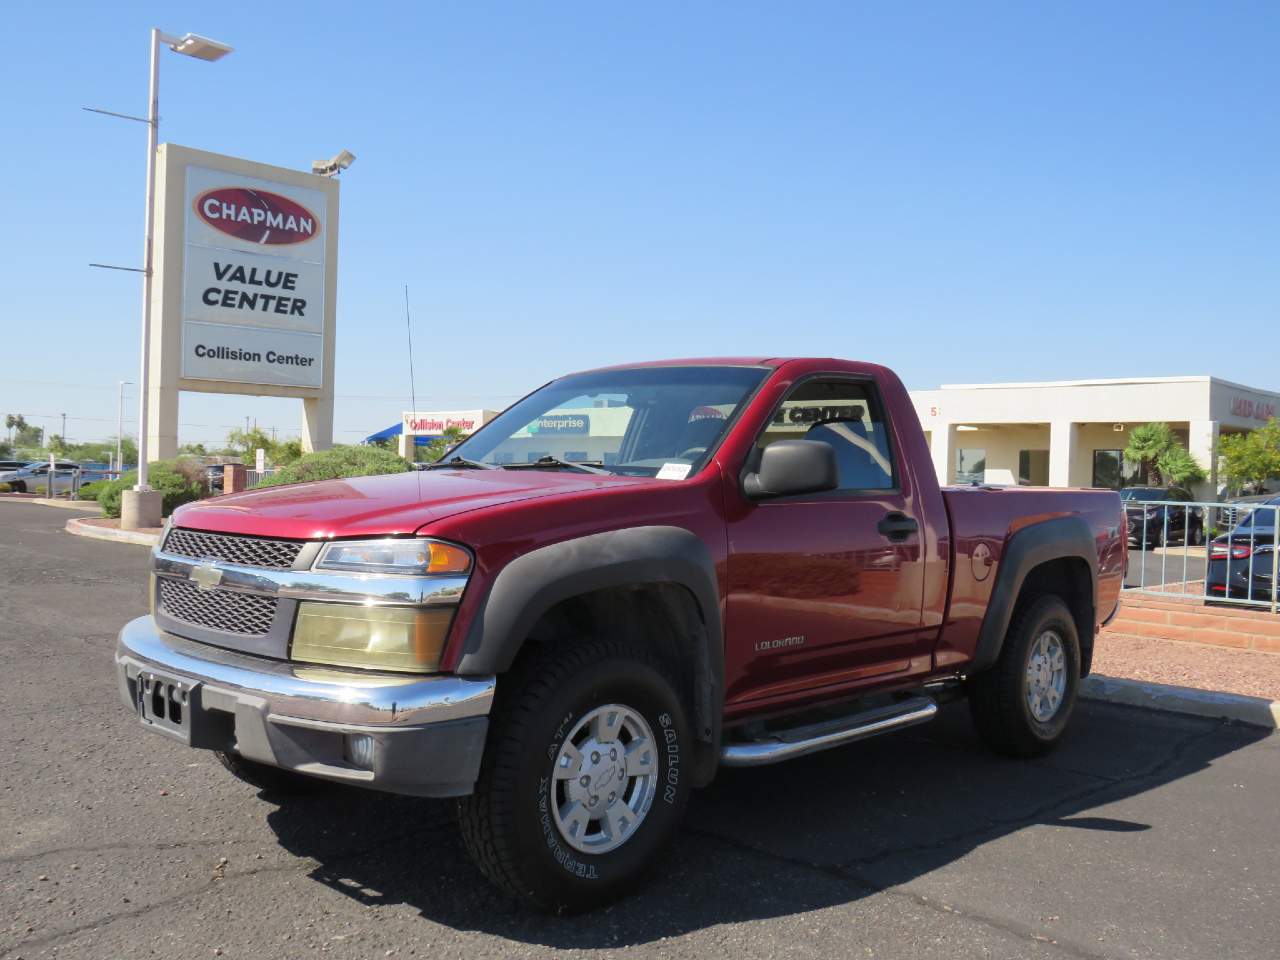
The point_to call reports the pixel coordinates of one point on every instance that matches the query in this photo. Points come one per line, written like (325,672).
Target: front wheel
(581,787)
(1022,704)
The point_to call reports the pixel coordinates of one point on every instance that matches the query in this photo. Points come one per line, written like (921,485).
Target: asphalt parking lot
(1146,835)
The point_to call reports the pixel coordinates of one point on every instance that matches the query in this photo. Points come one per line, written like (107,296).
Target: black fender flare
(1055,539)
(530,585)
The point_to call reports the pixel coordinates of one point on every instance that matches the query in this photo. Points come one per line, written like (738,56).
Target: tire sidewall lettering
(584,866)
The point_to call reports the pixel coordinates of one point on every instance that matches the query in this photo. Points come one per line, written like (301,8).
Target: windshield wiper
(460,462)
(550,461)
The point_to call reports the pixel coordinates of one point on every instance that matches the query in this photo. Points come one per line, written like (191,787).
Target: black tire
(998,698)
(1197,535)
(264,777)
(508,823)
(18,486)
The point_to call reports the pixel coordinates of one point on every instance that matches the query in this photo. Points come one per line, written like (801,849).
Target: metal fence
(254,477)
(1221,552)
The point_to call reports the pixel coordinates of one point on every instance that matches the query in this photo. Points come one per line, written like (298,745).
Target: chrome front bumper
(400,733)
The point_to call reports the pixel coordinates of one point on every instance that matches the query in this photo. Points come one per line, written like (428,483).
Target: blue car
(1242,562)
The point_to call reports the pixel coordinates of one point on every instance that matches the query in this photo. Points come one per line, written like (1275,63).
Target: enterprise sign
(253,281)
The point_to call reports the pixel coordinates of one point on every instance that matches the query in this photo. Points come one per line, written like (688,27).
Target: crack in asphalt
(103,848)
(297,863)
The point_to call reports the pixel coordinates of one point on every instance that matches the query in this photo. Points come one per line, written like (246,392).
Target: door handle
(897,526)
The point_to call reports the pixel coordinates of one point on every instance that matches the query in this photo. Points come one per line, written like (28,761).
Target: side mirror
(791,467)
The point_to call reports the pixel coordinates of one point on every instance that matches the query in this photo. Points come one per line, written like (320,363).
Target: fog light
(359,749)
(377,638)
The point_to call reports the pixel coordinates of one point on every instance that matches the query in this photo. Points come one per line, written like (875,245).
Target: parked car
(7,465)
(213,477)
(1154,524)
(1242,562)
(34,475)
(571,631)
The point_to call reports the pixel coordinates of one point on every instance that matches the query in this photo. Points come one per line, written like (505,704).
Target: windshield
(635,422)
(1144,493)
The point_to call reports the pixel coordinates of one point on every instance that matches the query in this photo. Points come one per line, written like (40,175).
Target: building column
(942,445)
(162,421)
(1063,438)
(317,423)
(1202,443)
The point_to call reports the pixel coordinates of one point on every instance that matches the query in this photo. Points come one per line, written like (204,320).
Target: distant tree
(27,436)
(286,452)
(57,444)
(6,450)
(14,423)
(246,442)
(193,449)
(1250,459)
(442,444)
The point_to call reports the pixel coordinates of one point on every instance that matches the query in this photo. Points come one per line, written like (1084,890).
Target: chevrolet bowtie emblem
(207,575)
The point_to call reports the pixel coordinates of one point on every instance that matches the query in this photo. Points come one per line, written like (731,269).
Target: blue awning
(394,431)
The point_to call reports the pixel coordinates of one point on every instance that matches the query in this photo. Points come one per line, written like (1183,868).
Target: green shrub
(179,480)
(4,488)
(90,491)
(338,463)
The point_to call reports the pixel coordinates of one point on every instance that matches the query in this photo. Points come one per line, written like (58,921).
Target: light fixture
(333,166)
(202,48)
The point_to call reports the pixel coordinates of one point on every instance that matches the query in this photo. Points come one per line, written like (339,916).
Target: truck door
(826,589)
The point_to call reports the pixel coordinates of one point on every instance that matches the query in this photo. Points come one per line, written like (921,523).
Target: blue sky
(964,191)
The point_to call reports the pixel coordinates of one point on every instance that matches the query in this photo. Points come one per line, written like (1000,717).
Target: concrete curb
(1256,711)
(77,526)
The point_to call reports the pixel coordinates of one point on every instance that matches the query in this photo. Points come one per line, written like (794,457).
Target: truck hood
(380,506)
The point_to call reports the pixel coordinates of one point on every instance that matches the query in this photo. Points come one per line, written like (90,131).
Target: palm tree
(1147,444)
(14,423)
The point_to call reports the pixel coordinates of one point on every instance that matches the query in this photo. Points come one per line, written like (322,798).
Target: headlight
(410,557)
(374,638)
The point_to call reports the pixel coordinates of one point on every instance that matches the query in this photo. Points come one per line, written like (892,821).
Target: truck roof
(707,362)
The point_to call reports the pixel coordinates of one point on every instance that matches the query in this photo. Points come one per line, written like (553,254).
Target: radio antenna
(413,395)
(408,327)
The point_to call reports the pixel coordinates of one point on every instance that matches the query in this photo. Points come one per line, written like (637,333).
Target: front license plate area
(166,703)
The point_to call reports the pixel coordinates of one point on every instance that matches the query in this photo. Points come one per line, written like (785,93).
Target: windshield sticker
(674,471)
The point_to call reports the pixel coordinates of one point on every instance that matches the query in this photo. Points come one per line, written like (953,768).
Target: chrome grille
(247,614)
(246,551)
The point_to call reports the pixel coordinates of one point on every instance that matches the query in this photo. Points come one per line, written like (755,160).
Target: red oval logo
(258,216)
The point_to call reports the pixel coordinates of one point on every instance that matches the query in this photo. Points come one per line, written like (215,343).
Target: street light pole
(144,376)
(201,48)
(120,428)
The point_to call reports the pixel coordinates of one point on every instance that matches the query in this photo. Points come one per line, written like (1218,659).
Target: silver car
(35,476)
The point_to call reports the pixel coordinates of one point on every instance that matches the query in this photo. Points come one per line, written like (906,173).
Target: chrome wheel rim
(605,778)
(1046,676)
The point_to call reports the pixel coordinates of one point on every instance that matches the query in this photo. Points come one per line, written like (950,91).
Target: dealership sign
(415,424)
(571,425)
(254,277)
(257,215)
(1250,409)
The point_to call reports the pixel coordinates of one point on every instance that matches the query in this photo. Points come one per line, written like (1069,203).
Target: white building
(1071,432)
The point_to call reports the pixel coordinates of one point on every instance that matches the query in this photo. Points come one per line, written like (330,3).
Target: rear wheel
(1022,704)
(581,786)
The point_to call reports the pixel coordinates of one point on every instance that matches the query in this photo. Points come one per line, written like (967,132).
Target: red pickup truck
(629,578)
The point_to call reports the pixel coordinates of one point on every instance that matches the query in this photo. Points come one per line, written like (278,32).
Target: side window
(846,415)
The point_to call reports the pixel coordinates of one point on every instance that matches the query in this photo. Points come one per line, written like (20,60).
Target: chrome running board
(799,741)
